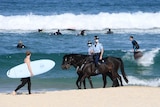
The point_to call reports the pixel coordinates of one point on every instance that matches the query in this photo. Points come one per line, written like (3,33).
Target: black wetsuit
(24,82)
(20,45)
(135,45)
(57,33)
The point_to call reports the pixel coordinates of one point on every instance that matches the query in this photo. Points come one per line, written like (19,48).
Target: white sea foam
(136,21)
(143,82)
(146,60)
(148,57)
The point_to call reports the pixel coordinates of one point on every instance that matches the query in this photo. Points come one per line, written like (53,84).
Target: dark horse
(77,61)
(109,67)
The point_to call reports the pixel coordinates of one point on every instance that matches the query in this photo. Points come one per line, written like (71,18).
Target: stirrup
(96,71)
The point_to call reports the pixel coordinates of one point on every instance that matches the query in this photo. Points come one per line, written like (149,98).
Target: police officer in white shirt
(90,48)
(98,50)
(90,53)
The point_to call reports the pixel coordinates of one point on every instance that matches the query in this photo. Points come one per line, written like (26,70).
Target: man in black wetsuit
(58,32)
(109,31)
(135,44)
(20,44)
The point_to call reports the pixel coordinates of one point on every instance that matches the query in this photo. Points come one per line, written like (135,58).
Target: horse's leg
(82,79)
(78,80)
(119,77)
(90,81)
(104,80)
(111,73)
(116,75)
(84,83)
(115,81)
(91,70)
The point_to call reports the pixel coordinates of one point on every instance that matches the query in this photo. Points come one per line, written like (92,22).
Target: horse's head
(72,59)
(67,62)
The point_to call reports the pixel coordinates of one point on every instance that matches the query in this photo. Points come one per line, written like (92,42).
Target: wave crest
(103,20)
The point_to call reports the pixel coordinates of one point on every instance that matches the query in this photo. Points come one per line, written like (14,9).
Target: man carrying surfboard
(27,79)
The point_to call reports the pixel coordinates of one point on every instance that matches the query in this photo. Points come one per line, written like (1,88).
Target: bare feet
(14,93)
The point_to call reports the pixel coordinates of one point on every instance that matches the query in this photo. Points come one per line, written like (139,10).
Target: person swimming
(20,44)
(82,32)
(57,33)
(109,31)
(40,30)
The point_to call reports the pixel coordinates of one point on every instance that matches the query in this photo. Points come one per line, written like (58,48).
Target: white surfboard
(37,66)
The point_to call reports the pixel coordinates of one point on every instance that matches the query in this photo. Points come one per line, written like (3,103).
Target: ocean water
(20,20)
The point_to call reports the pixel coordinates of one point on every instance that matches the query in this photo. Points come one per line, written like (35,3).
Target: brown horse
(87,68)
(77,61)
(109,66)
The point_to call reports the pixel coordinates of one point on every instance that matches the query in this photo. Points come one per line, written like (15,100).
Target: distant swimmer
(57,33)
(20,44)
(109,31)
(40,30)
(82,33)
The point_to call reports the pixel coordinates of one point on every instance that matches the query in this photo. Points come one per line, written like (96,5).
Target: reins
(81,62)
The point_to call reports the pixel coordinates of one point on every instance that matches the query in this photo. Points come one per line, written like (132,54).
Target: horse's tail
(122,70)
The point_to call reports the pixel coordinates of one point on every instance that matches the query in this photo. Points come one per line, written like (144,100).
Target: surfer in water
(27,79)
(135,44)
(137,54)
(58,32)
(109,31)
(40,30)
(20,44)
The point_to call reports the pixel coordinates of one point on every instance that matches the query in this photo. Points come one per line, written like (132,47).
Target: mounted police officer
(98,51)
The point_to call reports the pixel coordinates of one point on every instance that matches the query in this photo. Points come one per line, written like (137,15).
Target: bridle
(71,61)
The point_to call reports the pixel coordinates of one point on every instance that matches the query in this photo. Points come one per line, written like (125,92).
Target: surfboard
(138,55)
(37,66)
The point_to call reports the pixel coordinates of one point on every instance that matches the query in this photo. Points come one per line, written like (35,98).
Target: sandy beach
(127,96)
